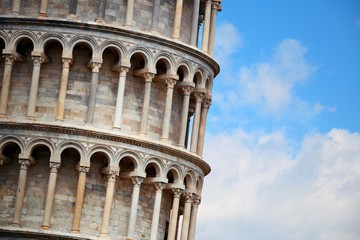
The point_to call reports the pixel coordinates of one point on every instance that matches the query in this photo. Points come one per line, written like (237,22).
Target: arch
(38,142)
(168,60)
(199,185)
(176,172)
(19,35)
(136,159)
(66,145)
(89,41)
(11,139)
(49,37)
(189,181)
(157,165)
(209,84)
(102,149)
(144,52)
(199,77)
(120,48)
(4,38)
(186,67)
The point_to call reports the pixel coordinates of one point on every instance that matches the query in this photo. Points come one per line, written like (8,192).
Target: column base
(71,17)
(45,227)
(16,225)
(42,15)
(100,21)
(75,231)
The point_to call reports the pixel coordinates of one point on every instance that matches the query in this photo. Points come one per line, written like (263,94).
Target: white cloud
(270,84)
(228,41)
(262,187)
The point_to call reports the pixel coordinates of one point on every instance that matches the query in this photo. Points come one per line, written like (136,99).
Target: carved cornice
(173,151)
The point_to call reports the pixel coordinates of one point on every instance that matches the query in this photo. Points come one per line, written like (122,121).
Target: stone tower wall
(102,117)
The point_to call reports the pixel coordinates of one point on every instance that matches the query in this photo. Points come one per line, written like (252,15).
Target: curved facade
(102,117)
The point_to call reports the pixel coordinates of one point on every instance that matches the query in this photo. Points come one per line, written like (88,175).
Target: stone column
(155,15)
(120,97)
(177,19)
(34,86)
(195,22)
(145,108)
(72,7)
(159,186)
(54,167)
(93,88)
(214,10)
(43,8)
(63,88)
(186,216)
(20,192)
(79,198)
(204,111)
(193,217)
(101,12)
(15,7)
(206,29)
(184,114)
(134,206)
(9,60)
(174,214)
(111,178)
(168,105)
(129,13)
(196,123)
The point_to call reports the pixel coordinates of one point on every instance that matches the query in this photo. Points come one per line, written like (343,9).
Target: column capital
(159,186)
(196,200)
(206,102)
(188,196)
(199,96)
(177,192)
(67,62)
(82,169)
(137,180)
(24,163)
(217,5)
(111,175)
(170,82)
(54,166)
(38,60)
(9,59)
(148,76)
(187,89)
(95,66)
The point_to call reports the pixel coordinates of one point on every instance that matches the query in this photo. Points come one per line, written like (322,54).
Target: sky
(283,130)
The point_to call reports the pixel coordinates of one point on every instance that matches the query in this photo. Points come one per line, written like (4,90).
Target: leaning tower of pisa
(102,117)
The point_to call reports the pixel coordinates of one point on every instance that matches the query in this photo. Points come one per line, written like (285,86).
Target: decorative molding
(173,151)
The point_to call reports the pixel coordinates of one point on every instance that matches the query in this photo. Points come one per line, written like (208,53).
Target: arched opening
(107,88)
(95,190)
(66,187)
(20,81)
(127,165)
(137,61)
(9,175)
(188,182)
(36,186)
(2,47)
(49,83)
(76,102)
(162,67)
(150,171)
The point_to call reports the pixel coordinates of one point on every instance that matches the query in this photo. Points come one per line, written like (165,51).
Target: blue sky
(283,133)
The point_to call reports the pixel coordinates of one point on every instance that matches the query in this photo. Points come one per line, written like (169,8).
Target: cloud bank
(263,187)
